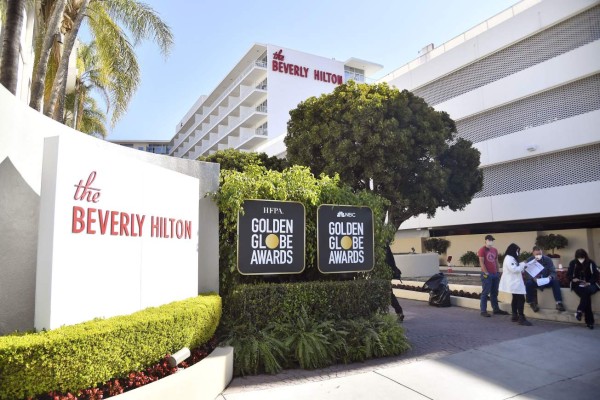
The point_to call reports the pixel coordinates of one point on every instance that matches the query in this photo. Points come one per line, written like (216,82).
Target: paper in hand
(542,281)
(534,268)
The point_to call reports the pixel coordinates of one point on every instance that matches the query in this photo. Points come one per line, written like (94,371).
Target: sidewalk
(455,354)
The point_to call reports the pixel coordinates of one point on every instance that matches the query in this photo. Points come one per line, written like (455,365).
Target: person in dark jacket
(396,274)
(585,282)
(548,272)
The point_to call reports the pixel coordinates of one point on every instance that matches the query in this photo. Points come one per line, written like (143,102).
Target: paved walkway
(456,354)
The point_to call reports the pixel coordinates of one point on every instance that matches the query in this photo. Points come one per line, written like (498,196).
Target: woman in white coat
(512,282)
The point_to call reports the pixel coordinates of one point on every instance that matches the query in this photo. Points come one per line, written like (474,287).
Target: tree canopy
(389,141)
(236,160)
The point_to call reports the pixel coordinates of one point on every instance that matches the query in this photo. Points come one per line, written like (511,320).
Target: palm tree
(50,28)
(11,39)
(116,56)
(89,118)
(89,80)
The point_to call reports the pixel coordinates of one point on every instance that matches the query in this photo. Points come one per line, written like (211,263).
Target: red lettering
(78,225)
(274,65)
(305,71)
(154,227)
(140,223)
(179,229)
(188,229)
(87,192)
(124,222)
(103,217)
(316,75)
(90,220)
(113,222)
(171,220)
(280,64)
(296,70)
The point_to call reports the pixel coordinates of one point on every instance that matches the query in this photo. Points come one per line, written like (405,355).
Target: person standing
(488,261)
(512,282)
(396,274)
(549,271)
(585,281)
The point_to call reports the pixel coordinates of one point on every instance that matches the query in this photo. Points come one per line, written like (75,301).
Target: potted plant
(437,245)
(469,258)
(552,242)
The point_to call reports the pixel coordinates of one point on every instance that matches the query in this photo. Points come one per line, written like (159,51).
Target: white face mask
(518,252)
(581,260)
(489,242)
(538,257)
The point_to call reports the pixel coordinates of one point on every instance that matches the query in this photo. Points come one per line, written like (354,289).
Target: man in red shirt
(490,279)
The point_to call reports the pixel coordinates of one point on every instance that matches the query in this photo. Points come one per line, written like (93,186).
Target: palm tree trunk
(58,87)
(11,43)
(39,76)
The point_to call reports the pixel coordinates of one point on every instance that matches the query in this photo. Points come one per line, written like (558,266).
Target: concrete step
(543,313)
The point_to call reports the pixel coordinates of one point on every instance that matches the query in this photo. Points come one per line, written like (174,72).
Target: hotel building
(249,108)
(524,87)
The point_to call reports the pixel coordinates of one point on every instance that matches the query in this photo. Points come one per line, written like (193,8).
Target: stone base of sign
(202,381)
(413,265)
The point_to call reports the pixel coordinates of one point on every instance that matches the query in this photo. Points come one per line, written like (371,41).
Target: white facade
(524,87)
(249,109)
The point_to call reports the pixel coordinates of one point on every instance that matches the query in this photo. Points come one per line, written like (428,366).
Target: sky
(210,37)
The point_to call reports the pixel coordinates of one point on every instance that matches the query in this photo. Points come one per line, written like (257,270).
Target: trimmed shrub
(84,355)
(552,242)
(436,245)
(469,258)
(265,303)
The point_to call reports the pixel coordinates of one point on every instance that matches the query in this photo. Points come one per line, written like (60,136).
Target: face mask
(581,260)
(538,257)
(489,242)
(518,252)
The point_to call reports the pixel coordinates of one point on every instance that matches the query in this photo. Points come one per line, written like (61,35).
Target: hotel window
(262,85)
(262,130)
(262,61)
(262,107)
(357,75)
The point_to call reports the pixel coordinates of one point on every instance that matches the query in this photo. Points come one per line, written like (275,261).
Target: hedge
(83,355)
(323,300)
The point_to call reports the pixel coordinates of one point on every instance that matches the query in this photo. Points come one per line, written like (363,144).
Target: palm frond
(141,21)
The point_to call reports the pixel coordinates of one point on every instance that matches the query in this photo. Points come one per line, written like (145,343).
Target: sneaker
(534,307)
(500,312)
(514,318)
(560,307)
(485,314)
(523,321)
(578,315)
(400,317)
(591,326)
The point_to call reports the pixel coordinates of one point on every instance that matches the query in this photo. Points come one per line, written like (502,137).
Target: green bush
(437,245)
(311,343)
(86,354)
(265,303)
(469,258)
(293,184)
(551,242)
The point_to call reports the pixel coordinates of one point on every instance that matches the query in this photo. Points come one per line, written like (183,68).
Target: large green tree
(231,159)
(388,141)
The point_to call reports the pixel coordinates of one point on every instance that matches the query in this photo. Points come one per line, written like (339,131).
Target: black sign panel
(271,237)
(344,239)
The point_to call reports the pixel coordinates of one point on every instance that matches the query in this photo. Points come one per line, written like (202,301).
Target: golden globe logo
(272,241)
(346,242)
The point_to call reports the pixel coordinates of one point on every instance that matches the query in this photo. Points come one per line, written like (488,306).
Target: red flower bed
(134,379)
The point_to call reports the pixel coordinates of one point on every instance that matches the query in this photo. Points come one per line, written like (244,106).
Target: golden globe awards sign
(344,239)
(271,237)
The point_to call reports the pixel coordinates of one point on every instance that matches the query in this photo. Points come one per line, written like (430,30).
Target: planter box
(417,264)
(202,381)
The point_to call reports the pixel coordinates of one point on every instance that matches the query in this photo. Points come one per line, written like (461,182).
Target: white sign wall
(116,235)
